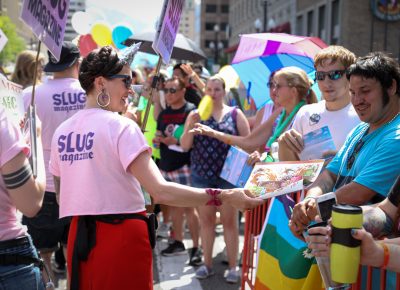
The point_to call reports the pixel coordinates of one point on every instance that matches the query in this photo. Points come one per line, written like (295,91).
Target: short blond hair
(335,53)
(24,70)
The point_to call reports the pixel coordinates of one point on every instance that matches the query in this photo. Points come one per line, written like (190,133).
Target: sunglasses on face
(127,79)
(333,75)
(170,90)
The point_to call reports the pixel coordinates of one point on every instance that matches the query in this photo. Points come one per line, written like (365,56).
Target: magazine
(276,178)
(236,170)
(317,142)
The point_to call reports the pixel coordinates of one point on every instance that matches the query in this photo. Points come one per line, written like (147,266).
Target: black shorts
(46,229)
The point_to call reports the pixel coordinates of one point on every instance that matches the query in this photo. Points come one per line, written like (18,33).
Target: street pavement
(174,273)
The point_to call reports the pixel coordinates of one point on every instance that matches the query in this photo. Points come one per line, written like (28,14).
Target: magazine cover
(277,178)
(317,142)
(236,170)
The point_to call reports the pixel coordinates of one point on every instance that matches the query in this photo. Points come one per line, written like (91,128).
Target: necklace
(363,140)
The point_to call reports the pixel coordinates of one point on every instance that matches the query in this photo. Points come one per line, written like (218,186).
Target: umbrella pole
(153,87)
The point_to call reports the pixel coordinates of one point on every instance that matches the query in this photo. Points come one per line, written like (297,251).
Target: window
(299,25)
(335,22)
(222,26)
(321,23)
(211,8)
(224,8)
(310,23)
(210,26)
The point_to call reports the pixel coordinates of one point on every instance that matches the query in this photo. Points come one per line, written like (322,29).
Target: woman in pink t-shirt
(18,191)
(100,160)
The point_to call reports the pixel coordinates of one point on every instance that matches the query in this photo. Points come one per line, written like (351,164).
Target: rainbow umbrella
(259,54)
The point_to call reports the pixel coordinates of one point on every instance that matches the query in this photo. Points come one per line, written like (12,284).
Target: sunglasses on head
(170,90)
(333,75)
(127,79)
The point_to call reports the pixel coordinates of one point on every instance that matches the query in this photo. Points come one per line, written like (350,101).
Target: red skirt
(121,258)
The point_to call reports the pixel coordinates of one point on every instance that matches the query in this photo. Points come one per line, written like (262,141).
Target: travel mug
(324,264)
(345,249)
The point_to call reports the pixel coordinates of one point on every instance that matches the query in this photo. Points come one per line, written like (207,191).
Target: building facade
(353,24)
(74,6)
(187,25)
(214,29)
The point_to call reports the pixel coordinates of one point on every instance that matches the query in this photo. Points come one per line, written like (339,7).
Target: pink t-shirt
(56,101)
(11,143)
(91,153)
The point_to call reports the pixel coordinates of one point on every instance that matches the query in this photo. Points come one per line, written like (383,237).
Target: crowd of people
(102,172)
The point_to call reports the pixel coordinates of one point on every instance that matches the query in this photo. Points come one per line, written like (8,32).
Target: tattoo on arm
(18,178)
(377,222)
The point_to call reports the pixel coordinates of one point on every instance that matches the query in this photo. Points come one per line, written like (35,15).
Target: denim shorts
(46,229)
(200,182)
(21,277)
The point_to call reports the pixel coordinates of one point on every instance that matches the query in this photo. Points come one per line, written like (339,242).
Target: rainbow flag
(281,261)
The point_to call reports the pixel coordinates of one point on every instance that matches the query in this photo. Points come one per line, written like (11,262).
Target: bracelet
(213,193)
(386,255)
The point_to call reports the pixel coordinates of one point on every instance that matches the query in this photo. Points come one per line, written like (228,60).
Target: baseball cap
(69,55)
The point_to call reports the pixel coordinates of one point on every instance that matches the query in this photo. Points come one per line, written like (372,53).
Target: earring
(103,99)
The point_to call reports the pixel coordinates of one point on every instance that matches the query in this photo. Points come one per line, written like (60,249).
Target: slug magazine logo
(75,147)
(65,101)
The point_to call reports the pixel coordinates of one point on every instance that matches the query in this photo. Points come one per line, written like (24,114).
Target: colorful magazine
(277,178)
(316,143)
(236,170)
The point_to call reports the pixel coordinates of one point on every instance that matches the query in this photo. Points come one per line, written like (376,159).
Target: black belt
(21,241)
(86,238)
(17,259)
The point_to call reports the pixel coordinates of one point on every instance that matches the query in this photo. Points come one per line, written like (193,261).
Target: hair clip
(127,54)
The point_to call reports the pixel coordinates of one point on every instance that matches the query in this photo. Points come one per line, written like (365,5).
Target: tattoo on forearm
(377,222)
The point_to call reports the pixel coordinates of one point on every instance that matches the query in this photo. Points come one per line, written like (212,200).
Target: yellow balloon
(101,34)
(205,108)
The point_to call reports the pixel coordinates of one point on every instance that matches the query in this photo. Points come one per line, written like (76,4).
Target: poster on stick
(167,29)
(3,40)
(11,100)
(47,21)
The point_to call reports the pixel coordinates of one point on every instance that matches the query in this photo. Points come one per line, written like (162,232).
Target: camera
(324,205)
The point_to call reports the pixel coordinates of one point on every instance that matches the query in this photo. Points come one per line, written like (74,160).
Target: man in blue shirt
(368,163)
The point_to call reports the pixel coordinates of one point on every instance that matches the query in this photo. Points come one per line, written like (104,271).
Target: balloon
(101,34)
(121,33)
(230,77)
(205,107)
(81,22)
(86,44)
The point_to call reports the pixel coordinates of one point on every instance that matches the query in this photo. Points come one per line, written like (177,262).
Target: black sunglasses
(127,79)
(353,156)
(170,90)
(333,75)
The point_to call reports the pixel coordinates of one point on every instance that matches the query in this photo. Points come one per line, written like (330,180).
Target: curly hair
(100,62)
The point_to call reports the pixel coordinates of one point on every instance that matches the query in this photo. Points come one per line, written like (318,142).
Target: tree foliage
(15,43)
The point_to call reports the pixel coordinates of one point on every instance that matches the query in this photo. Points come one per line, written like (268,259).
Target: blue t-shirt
(377,163)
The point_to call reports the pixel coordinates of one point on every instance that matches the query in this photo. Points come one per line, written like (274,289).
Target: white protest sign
(168,28)
(11,100)
(3,40)
(47,19)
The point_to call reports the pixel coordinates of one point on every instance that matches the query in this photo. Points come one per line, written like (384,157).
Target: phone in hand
(324,205)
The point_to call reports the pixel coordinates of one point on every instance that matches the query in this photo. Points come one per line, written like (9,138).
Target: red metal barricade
(254,221)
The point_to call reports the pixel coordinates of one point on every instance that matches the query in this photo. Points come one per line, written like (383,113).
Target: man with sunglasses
(56,100)
(368,163)
(334,110)
(174,165)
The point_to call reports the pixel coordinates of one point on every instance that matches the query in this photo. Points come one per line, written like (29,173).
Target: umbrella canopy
(184,48)
(259,54)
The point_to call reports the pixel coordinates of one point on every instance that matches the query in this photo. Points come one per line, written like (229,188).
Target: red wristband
(386,255)
(213,193)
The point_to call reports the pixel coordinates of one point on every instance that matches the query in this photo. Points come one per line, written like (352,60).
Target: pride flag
(281,261)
